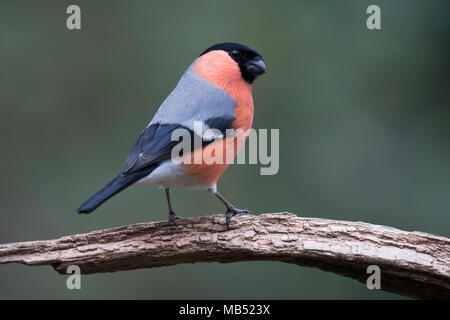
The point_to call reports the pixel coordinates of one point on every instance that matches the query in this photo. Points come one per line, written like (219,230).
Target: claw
(228,216)
(173,217)
(231,212)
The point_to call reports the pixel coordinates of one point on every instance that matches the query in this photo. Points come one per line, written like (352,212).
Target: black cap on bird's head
(250,62)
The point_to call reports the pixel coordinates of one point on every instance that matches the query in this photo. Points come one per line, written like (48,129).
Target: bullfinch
(215,91)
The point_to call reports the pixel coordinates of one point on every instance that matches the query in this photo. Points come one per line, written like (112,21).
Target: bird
(215,91)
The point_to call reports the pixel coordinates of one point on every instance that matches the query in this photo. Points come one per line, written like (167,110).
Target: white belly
(169,174)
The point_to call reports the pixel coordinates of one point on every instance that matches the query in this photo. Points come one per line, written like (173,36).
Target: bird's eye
(235,53)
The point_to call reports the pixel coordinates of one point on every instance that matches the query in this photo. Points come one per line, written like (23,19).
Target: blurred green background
(364,119)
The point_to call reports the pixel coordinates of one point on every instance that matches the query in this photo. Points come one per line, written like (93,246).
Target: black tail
(113,187)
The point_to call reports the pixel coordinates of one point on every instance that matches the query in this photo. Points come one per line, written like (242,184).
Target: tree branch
(413,264)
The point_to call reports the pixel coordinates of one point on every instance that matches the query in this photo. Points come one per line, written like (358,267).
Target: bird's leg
(172,215)
(231,210)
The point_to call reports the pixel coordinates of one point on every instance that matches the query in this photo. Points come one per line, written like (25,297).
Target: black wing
(155,143)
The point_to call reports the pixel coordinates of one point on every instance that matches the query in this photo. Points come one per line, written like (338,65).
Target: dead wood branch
(413,264)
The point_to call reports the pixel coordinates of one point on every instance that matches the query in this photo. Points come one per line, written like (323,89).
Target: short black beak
(256,66)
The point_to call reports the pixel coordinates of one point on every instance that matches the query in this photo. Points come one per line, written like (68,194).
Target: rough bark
(413,264)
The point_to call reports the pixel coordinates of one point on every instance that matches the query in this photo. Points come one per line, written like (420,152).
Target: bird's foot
(231,211)
(173,217)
